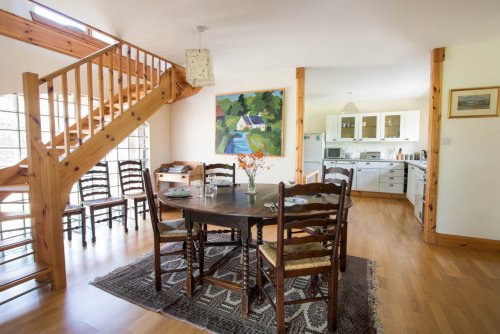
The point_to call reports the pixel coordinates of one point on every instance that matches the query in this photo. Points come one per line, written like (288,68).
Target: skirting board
(377,195)
(460,241)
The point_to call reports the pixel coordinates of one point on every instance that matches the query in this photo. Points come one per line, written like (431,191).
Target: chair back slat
(220,170)
(336,175)
(151,202)
(310,222)
(307,239)
(95,183)
(325,199)
(131,179)
(307,254)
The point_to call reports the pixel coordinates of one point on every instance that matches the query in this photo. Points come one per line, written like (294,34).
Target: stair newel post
(45,194)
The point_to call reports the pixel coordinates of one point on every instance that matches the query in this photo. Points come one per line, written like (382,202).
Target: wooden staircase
(128,85)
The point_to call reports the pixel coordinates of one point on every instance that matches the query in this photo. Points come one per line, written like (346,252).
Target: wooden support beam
(431,193)
(300,75)
(45,195)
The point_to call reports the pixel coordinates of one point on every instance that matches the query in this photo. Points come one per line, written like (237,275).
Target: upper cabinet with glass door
(348,127)
(392,126)
(369,129)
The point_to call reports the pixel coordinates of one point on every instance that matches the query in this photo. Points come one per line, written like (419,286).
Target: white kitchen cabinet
(369,127)
(391,126)
(348,127)
(411,183)
(411,125)
(392,177)
(329,163)
(384,126)
(368,179)
(332,129)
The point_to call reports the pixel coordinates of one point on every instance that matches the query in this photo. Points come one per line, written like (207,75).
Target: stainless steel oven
(420,194)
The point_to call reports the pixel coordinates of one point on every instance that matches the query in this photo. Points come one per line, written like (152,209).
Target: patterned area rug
(218,310)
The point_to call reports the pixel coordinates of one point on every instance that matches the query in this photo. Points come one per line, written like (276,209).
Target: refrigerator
(314,148)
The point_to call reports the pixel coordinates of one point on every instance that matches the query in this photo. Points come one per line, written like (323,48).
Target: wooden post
(431,192)
(300,75)
(45,195)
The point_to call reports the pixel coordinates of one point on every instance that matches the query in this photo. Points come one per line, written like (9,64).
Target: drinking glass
(291,180)
(209,191)
(199,186)
(211,180)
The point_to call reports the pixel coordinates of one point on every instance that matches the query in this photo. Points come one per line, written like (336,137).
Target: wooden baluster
(64,79)
(159,70)
(144,76)
(111,78)
(120,79)
(78,105)
(129,76)
(137,74)
(52,118)
(90,97)
(151,72)
(101,94)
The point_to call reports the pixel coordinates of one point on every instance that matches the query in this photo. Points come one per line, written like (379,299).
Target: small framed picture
(474,102)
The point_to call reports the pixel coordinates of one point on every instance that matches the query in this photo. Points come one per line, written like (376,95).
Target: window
(59,18)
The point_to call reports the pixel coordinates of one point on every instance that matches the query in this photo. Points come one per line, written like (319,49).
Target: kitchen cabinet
(348,127)
(392,126)
(332,129)
(384,126)
(368,179)
(411,184)
(411,125)
(369,129)
(392,177)
(359,127)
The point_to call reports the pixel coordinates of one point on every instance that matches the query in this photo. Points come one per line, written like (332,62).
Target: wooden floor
(421,288)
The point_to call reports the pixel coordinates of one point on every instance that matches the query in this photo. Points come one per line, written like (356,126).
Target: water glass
(209,191)
(199,186)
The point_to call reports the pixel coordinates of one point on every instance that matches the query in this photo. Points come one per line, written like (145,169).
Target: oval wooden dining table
(230,207)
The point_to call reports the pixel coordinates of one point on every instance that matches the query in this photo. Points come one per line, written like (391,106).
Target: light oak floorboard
(421,288)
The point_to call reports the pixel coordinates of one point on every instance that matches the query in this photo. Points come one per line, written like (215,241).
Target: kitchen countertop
(416,163)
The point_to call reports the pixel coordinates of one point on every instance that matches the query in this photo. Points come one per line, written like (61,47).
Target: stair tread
(14,242)
(5,216)
(15,277)
(15,188)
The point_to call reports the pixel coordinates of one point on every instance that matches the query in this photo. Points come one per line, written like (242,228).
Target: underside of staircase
(130,85)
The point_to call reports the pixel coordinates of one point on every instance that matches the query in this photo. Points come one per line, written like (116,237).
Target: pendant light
(199,69)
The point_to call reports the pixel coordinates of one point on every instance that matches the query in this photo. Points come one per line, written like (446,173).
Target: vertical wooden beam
(64,80)
(45,197)
(101,93)
(90,93)
(120,79)
(431,193)
(78,105)
(300,75)
(52,117)
(111,86)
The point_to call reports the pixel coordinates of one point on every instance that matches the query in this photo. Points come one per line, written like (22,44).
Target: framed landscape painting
(248,121)
(474,102)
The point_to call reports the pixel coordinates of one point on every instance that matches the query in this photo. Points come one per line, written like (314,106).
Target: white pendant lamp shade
(199,71)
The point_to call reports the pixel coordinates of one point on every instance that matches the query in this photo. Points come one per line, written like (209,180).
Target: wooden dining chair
(72,210)
(169,231)
(132,187)
(95,194)
(303,255)
(221,171)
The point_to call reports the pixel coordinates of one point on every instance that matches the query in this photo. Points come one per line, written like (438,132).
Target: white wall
(469,181)
(192,124)
(160,137)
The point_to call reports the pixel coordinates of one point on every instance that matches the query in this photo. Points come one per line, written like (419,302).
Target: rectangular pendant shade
(199,71)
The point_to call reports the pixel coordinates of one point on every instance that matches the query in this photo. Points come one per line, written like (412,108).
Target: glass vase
(251,185)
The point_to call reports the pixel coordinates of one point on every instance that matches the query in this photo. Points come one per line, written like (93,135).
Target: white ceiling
(329,36)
